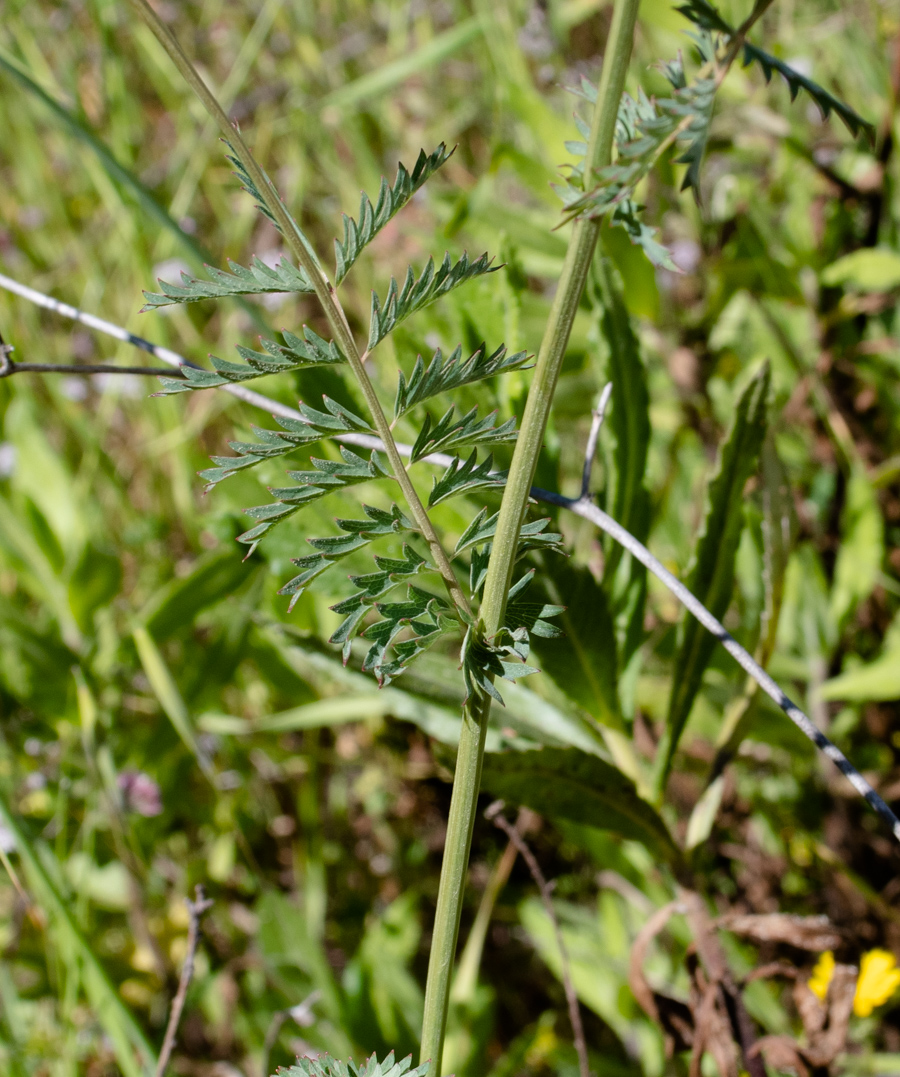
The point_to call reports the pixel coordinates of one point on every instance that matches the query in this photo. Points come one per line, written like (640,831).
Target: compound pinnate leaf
(483,660)
(424,615)
(704,15)
(261,203)
(644,129)
(326,1066)
(505,654)
(391,199)
(326,476)
(534,617)
(462,476)
(451,433)
(357,533)
(315,426)
(442,376)
(258,279)
(294,354)
(531,535)
(374,585)
(418,292)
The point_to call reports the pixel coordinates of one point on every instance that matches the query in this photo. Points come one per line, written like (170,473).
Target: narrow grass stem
(467,779)
(323,288)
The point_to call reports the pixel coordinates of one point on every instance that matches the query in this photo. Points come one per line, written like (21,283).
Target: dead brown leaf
(814,933)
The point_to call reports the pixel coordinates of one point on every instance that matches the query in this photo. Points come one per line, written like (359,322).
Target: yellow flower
(879,978)
(821,976)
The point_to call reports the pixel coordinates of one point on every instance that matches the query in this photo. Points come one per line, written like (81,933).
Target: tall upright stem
(467,779)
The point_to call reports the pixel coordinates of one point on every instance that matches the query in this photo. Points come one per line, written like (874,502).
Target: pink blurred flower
(140,793)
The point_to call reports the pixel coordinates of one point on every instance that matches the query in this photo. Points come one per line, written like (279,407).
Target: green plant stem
(324,290)
(467,779)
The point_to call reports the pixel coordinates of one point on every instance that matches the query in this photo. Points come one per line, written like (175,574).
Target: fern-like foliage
(357,534)
(326,1066)
(258,279)
(395,617)
(451,433)
(463,476)
(480,532)
(506,654)
(391,199)
(423,616)
(704,15)
(443,376)
(250,187)
(326,476)
(419,292)
(646,128)
(294,353)
(315,426)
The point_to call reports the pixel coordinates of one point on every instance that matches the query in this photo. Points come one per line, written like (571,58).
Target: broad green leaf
(95,582)
(21,546)
(876,681)
(378,981)
(174,606)
(347,707)
(861,551)
(871,269)
(42,474)
(134,1054)
(780,527)
(285,939)
(425,57)
(711,577)
(34,664)
(583,663)
(570,784)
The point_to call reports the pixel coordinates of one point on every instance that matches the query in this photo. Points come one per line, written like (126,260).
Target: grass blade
(392,74)
(133,1053)
(166,691)
(711,578)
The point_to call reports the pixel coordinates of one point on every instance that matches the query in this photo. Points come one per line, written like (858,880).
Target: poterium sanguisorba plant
(479,600)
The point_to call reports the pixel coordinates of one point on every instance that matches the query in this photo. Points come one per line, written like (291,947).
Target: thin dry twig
(196,909)
(582,506)
(496,816)
(8,367)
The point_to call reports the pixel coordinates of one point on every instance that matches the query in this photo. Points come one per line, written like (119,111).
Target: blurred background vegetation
(164,721)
